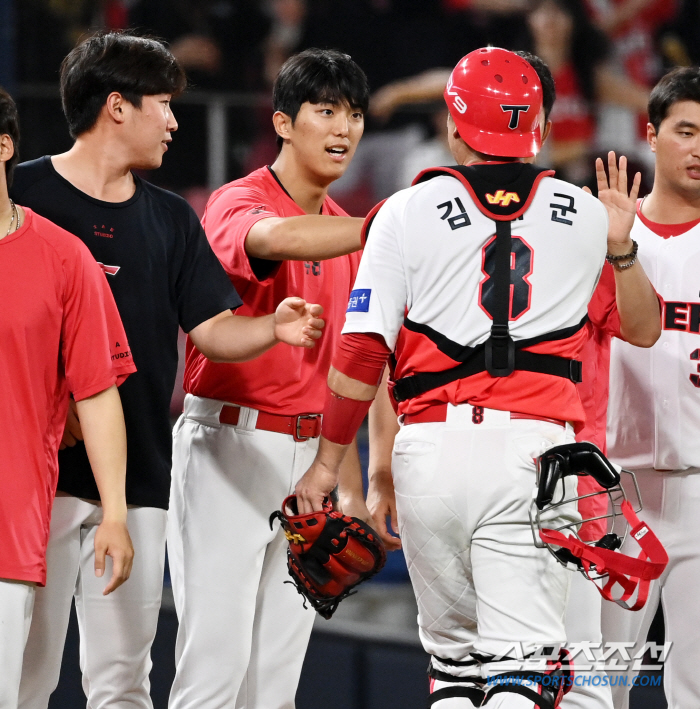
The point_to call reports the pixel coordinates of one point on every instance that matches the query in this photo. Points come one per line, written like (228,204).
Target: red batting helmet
(495,99)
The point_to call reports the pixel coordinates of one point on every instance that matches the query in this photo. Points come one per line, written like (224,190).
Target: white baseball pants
(16,601)
(671,501)
(243,631)
(591,688)
(116,631)
(463,491)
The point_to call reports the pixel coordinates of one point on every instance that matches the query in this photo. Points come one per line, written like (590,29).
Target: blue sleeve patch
(359,300)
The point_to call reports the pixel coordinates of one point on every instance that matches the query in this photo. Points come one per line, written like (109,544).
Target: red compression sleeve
(361,356)
(342,417)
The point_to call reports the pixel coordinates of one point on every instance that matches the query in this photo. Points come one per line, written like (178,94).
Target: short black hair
(681,84)
(132,65)
(9,125)
(319,76)
(549,93)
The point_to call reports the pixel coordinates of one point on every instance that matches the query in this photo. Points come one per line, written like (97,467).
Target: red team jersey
(60,332)
(292,382)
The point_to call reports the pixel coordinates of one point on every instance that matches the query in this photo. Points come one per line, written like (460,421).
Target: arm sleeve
(227,221)
(94,347)
(379,297)
(362,357)
(203,288)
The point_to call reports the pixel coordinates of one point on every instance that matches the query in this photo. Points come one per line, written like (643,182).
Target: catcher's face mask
(598,560)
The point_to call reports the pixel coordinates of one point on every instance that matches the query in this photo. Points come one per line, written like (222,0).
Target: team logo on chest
(503,198)
(109,270)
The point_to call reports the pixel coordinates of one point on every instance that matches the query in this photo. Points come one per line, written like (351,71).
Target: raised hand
(620,204)
(298,323)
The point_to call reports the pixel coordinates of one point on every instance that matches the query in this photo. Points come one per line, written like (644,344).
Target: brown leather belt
(438,414)
(301,427)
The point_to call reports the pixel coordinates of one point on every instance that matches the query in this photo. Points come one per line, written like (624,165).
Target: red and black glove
(329,553)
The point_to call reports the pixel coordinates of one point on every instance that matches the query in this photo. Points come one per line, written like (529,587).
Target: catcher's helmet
(599,559)
(495,99)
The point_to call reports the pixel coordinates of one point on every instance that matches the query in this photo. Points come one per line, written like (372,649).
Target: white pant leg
(47,635)
(679,531)
(632,627)
(591,688)
(117,631)
(278,649)
(463,494)
(225,562)
(16,601)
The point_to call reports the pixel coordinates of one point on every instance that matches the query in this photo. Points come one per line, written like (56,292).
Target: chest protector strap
(500,355)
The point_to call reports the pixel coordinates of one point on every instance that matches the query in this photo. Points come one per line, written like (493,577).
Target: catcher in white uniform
(654,409)
(477,278)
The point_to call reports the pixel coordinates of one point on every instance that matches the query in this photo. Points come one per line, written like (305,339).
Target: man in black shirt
(116,92)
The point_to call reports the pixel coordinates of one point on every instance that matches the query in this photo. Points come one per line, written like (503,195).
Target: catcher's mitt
(329,553)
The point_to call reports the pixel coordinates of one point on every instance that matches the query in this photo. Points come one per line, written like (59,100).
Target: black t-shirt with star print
(163,274)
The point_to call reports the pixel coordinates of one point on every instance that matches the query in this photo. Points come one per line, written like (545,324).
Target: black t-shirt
(163,273)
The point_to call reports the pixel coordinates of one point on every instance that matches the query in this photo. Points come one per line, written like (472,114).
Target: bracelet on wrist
(612,259)
(624,266)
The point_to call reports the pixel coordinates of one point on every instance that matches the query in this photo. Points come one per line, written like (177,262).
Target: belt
(438,414)
(301,427)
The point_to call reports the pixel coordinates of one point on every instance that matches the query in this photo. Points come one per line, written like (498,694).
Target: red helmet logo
(495,98)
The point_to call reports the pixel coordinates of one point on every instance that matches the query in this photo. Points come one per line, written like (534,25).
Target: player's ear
(283,125)
(651,137)
(115,107)
(546,131)
(7,147)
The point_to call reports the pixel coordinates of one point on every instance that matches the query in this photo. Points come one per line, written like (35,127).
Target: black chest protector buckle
(502,192)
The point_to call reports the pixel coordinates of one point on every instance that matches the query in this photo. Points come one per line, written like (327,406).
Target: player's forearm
(638,307)
(350,477)
(304,238)
(383,428)
(102,423)
(234,338)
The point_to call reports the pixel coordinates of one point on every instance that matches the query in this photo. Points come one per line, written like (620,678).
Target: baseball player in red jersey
(484,379)
(249,431)
(654,414)
(60,333)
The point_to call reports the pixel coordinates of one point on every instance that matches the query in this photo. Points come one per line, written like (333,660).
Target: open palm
(620,205)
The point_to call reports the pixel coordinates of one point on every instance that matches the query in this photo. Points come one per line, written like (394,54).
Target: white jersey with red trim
(430,258)
(654,407)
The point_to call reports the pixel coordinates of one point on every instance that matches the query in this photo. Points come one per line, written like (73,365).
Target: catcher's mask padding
(572,459)
(597,560)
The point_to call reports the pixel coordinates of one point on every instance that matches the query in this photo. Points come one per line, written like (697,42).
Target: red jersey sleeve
(228,218)
(602,310)
(94,347)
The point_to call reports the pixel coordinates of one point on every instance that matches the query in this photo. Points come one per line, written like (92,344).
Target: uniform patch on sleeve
(359,300)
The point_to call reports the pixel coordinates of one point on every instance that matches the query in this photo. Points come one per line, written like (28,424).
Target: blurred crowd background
(604,54)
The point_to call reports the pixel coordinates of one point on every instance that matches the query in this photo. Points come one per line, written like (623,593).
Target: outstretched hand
(620,205)
(298,323)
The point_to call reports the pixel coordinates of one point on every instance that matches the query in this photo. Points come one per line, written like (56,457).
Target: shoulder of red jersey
(259,183)
(61,241)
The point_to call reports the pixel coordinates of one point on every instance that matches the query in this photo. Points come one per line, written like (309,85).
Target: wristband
(623,257)
(342,417)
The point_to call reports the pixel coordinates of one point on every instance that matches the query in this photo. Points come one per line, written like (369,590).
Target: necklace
(15,215)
